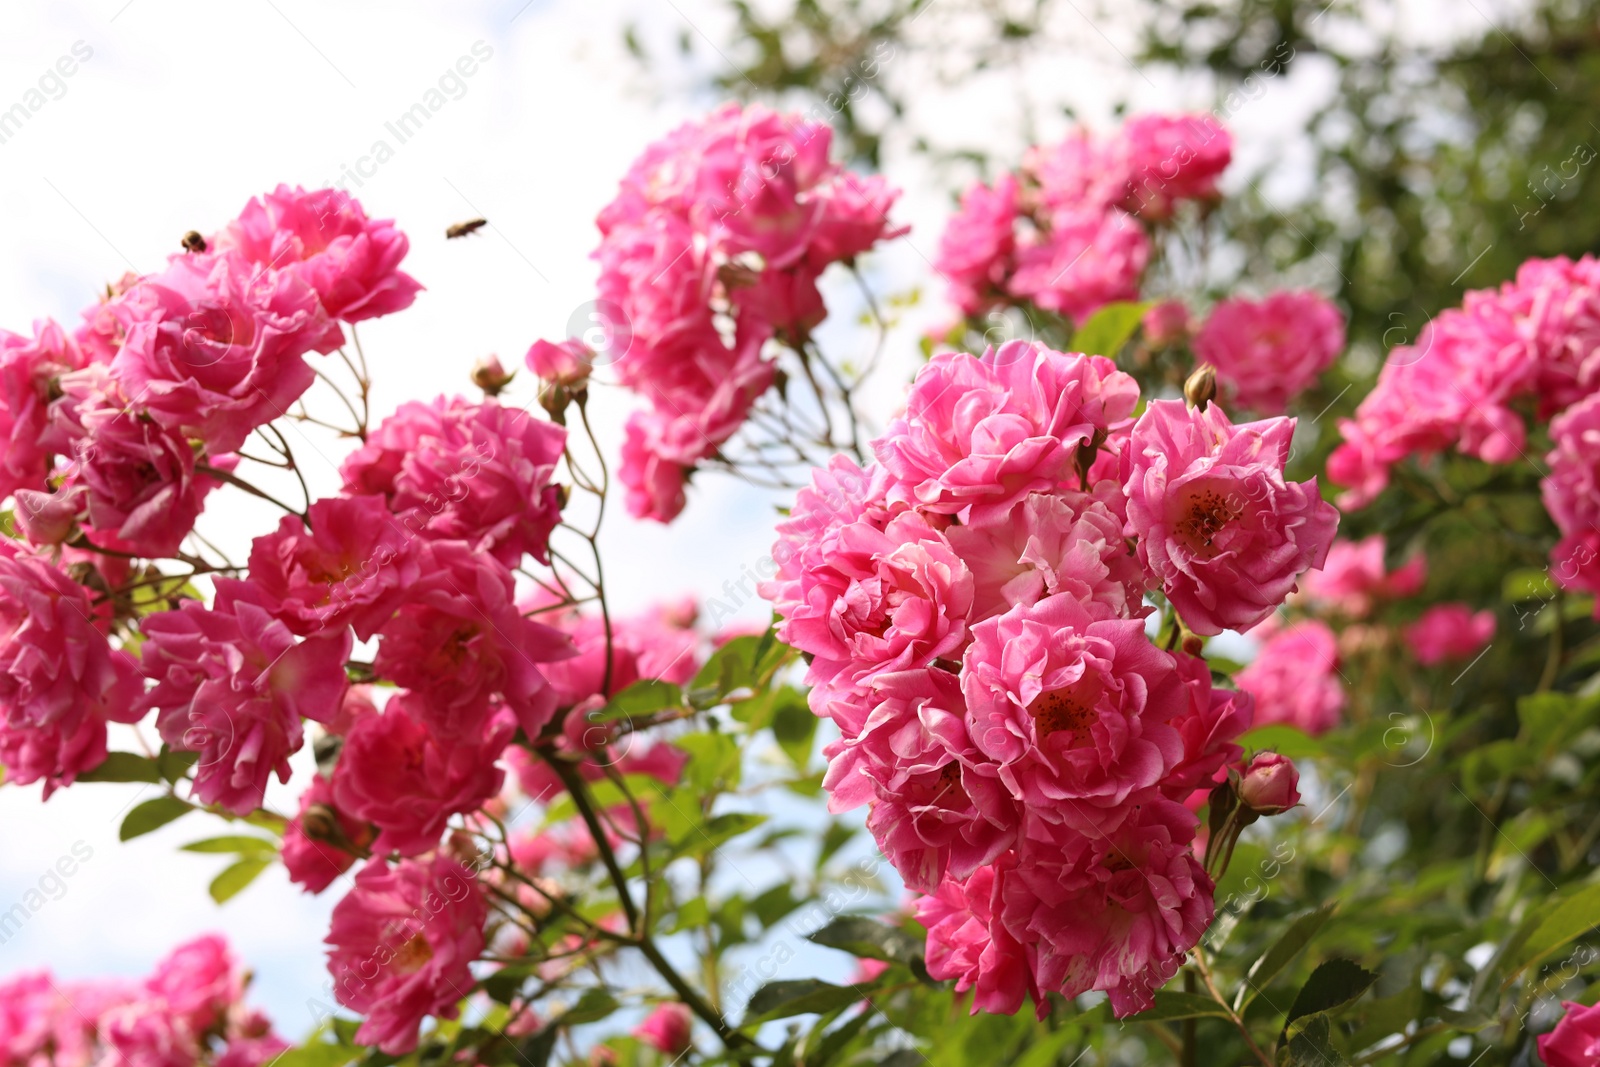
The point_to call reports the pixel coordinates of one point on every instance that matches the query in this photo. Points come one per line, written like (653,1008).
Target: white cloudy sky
(186,108)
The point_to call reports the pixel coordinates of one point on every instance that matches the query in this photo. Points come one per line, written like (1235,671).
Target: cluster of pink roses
(973,609)
(713,247)
(1068,231)
(189,1012)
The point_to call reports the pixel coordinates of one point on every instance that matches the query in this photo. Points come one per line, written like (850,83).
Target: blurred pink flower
(1267,352)
(1449,632)
(1295,678)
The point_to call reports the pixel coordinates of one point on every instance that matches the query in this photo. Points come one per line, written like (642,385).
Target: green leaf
(803,996)
(1286,948)
(594,1005)
(1311,1046)
(237,843)
(320,1054)
(1560,922)
(153,815)
(702,839)
(1109,329)
(175,765)
(1282,739)
(870,939)
(793,725)
(123,767)
(639,699)
(225,886)
(1332,985)
(835,837)
(713,765)
(1174,1005)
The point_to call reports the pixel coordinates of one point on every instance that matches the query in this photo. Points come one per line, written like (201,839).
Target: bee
(193,242)
(461,229)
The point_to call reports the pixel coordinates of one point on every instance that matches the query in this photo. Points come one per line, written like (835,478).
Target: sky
(176,112)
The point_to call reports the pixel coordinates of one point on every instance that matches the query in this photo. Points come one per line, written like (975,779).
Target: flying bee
(461,229)
(193,242)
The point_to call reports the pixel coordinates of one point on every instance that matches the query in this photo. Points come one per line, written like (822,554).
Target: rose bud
(1201,388)
(1270,784)
(566,364)
(490,376)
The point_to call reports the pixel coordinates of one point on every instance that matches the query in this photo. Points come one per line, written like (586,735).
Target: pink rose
(1077,712)
(351,568)
(981,433)
(313,843)
(1571,490)
(216,345)
(1171,158)
(402,945)
(666,1029)
(1209,727)
(454,470)
(1557,303)
(394,773)
(1083,260)
(1354,578)
(1449,632)
(853,219)
(567,363)
(967,943)
(325,238)
(60,681)
(648,645)
(1269,785)
(1217,525)
(458,641)
(1295,678)
(653,482)
(1080,173)
(1268,352)
(977,245)
(839,494)
(198,982)
(30,369)
(233,685)
(1575,1042)
(1167,323)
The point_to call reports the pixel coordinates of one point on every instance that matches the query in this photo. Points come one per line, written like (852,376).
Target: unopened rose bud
(320,823)
(47,518)
(1201,388)
(1270,784)
(567,364)
(490,376)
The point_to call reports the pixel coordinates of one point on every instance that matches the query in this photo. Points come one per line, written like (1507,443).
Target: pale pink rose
(351,568)
(982,432)
(1571,490)
(1270,784)
(1167,323)
(567,363)
(667,1029)
(233,684)
(462,471)
(1295,678)
(1354,578)
(886,600)
(1171,158)
(30,370)
(402,945)
(938,807)
(1575,1042)
(1217,525)
(216,345)
(1049,543)
(1269,351)
(1215,718)
(60,681)
(1077,711)
(394,773)
(1082,261)
(967,943)
(458,641)
(136,480)
(311,858)
(325,238)
(975,251)
(839,494)
(1449,632)
(1116,911)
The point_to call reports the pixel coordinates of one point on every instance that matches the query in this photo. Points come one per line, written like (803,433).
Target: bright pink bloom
(566,363)
(462,471)
(1081,173)
(1063,542)
(1214,719)
(60,681)
(1557,304)
(394,773)
(1217,524)
(1571,490)
(30,369)
(312,859)
(1353,578)
(459,642)
(648,645)
(198,982)
(233,684)
(1575,1042)
(1295,678)
(135,479)
(978,242)
(966,942)
(1267,352)
(1167,323)
(666,1029)
(654,483)
(1115,911)
(216,345)
(981,433)
(1449,632)
(1270,784)
(352,567)
(1077,712)
(1171,158)
(402,944)
(325,238)
(1082,261)
(938,807)
(839,494)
